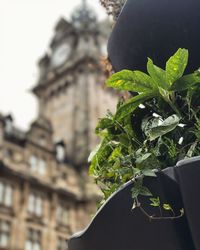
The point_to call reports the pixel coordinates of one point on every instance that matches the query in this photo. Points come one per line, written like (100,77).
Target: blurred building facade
(45,192)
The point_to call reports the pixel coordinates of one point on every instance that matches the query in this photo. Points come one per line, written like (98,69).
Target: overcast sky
(26,27)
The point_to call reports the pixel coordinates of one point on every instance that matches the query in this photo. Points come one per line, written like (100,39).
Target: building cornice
(65,70)
(33,180)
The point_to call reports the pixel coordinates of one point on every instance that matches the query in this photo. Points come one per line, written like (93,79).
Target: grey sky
(26,28)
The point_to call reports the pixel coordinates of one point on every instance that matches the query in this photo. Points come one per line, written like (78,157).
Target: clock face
(61,54)
(104,49)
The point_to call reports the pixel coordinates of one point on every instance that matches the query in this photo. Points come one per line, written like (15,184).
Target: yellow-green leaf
(176,65)
(135,81)
(157,74)
(167,207)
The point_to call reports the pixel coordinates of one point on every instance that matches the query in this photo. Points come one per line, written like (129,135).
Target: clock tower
(70,86)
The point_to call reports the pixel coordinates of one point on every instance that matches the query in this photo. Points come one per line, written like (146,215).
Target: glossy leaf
(176,65)
(135,81)
(157,74)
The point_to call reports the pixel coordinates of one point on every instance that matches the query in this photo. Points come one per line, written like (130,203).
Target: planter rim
(169,174)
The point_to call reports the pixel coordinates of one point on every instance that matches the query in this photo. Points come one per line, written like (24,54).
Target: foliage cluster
(154,129)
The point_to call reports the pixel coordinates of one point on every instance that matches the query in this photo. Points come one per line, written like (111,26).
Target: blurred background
(52,94)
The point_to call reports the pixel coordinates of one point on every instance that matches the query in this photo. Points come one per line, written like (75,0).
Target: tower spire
(84,16)
(84,3)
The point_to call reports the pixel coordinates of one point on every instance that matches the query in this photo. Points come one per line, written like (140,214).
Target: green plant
(152,130)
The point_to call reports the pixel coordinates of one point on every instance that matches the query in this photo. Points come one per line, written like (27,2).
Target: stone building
(45,192)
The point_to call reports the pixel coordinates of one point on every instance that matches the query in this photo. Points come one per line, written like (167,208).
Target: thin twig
(153,217)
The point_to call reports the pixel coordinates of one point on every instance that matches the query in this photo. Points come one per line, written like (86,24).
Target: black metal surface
(155,29)
(117,227)
(188,175)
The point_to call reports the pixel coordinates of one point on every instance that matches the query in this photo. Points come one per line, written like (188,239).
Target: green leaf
(124,140)
(115,154)
(149,172)
(104,151)
(185,82)
(138,182)
(155,128)
(139,189)
(157,74)
(136,171)
(135,81)
(142,158)
(167,207)
(135,192)
(128,128)
(155,202)
(103,124)
(145,191)
(176,65)
(132,104)
(93,153)
(126,174)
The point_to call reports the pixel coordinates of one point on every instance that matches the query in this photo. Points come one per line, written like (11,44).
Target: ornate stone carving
(84,17)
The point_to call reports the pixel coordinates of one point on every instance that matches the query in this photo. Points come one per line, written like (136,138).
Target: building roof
(43,123)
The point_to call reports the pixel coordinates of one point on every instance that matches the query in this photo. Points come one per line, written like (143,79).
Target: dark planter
(155,29)
(117,227)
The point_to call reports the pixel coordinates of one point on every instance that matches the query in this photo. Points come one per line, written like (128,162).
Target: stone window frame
(62,243)
(62,214)
(33,239)
(37,196)
(5,232)
(4,185)
(37,167)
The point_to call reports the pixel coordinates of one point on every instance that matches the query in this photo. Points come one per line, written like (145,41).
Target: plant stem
(152,217)
(174,108)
